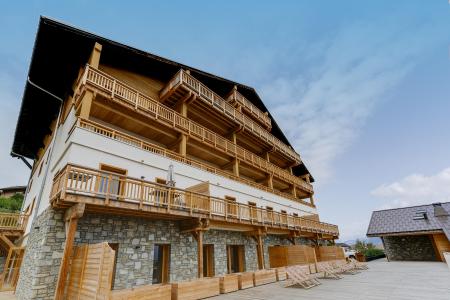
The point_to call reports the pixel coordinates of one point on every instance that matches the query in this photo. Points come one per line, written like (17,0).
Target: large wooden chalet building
(182,173)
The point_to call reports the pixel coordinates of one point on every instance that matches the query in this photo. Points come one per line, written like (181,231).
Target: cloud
(415,189)
(323,107)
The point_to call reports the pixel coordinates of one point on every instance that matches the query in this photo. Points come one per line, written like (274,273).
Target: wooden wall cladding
(326,253)
(281,256)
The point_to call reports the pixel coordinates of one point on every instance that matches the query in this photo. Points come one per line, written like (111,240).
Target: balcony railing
(235,96)
(160,113)
(122,192)
(139,143)
(218,103)
(13,221)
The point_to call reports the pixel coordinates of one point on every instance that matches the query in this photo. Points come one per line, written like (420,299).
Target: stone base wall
(409,247)
(40,267)
(136,238)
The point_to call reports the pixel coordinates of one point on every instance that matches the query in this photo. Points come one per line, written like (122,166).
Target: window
(161,263)
(235,258)
(208,261)
(231,205)
(111,183)
(283,216)
(160,180)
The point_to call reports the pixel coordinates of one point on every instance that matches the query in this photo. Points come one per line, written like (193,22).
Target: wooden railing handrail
(13,221)
(140,143)
(250,107)
(164,114)
(92,182)
(218,103)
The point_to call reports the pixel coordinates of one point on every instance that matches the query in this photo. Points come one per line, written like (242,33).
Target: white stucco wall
(88,149)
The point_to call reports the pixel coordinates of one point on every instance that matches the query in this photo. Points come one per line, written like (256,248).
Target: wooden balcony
(126,96)
(183,83)
(13,222)
(107,192)
(250,108)
(139,143)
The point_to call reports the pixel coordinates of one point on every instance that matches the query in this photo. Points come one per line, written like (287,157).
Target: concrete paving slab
(383,281)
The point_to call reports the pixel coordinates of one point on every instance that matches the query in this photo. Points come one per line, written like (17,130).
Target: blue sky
(360,87)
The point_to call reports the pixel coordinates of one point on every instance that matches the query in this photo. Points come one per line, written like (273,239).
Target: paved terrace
(384,280)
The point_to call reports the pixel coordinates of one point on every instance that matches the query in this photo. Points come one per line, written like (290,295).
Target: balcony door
(208,261)
(161,263)
(235,258)
(111,183)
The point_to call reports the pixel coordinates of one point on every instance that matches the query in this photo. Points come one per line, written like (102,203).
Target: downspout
(44,179)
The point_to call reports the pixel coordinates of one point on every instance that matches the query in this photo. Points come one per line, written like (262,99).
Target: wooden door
(208,261)
(235,258)
(10,275)
(91,272)
(161,263)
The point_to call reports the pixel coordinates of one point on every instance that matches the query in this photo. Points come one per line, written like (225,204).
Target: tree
(13,203)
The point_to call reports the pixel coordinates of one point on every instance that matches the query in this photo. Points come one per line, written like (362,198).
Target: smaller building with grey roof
(413,233)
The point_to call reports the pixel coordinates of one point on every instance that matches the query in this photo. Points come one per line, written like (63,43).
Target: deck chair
(358,265)
(342,267)
(328,271)
(299,278)
(305,269)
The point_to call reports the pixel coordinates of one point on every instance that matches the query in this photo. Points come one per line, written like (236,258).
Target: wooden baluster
(141,195)
(107,189)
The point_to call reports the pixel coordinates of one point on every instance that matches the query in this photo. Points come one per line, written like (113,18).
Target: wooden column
(200,253)
(311,199)
(236,167)
(182,146)
(71,217)
(260,251)
(294,190)
(94,59)
(270,181)
(85,105)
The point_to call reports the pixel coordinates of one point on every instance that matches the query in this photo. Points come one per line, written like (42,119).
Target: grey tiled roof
(401,220)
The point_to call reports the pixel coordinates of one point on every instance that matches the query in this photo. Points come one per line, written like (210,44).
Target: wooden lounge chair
(342,267)
(358,265)
(297,277)
(328,271)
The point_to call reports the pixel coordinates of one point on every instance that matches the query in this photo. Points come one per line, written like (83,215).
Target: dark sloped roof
(14,188)
(59,52)
(401,220)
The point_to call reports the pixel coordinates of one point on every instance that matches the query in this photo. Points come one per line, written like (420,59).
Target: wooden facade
(203,144)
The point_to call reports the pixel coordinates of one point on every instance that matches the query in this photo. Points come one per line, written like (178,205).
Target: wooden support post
(294,190)
(236,167)
(268,156)
(85,104)
(200,253)
(260,251)
(270,181)
(94,59)
(311,199)
(71,217)
(182,146)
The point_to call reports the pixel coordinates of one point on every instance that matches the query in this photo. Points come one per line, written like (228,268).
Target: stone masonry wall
(40,267)
(409,247)
(136,238)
